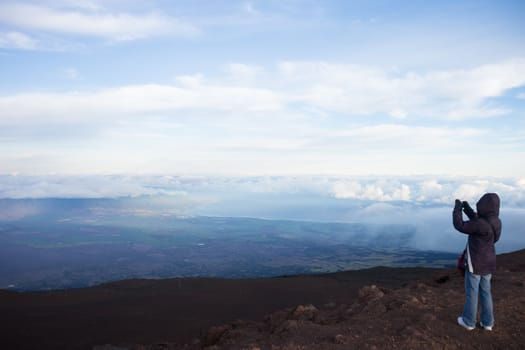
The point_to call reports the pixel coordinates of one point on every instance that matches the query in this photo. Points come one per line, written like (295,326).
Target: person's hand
(468,210)
(458,204)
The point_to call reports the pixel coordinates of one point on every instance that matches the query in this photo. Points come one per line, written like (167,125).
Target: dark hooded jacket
(484,230)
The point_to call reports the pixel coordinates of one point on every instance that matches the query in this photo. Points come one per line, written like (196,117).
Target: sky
(244,88)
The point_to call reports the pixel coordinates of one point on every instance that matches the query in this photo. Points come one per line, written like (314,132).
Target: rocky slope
(369,309)
(420,315)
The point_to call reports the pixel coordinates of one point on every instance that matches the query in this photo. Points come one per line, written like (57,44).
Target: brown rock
(370,292)
(288,326)
(429,317)
(214,335)
(411,331)
(339,339)
(304,312)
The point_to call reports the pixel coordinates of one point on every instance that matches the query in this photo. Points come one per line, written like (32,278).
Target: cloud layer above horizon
(423,205)
(420,190)
(259,88)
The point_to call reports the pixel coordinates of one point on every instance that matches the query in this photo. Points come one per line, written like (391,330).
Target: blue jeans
(478,285)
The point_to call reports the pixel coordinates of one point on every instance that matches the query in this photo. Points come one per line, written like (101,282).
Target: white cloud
(351,189)
(349,89)
(191,81)
(76,187)
(114,26)
(243,72)
(298,88)
(430,190)
(399,132)
(248,8)
(83,4)
(17,40)
(374,192)
(357,89)
(471,190)
(254,120)
(71,73)
(413,190)
(381,191)
(402,193)
(128,101)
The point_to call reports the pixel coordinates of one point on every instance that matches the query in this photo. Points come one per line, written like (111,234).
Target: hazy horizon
(423,203)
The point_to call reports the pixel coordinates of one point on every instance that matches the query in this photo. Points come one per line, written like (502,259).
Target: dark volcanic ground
(376,308)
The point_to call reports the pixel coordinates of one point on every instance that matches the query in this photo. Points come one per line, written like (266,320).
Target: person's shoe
(487,328)
(463,324)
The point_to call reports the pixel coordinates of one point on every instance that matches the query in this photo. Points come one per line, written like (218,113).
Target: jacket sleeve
(497,232)
(467,227)
(467,209)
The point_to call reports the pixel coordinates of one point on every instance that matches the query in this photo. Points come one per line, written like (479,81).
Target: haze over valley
(229,227)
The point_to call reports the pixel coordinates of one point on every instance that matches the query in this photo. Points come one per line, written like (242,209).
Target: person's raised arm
(467,209)
(467,227)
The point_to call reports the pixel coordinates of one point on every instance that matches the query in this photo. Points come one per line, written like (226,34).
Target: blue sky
(237,88)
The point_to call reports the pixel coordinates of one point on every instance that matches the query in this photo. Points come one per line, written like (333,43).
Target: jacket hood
(488,205)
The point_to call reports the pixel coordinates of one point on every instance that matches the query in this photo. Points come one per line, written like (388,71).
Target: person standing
(484,230)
